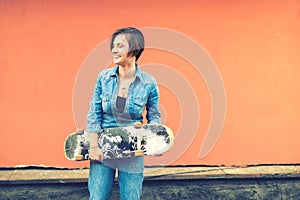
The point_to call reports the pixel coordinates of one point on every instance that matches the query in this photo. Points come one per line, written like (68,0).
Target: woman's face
(120,50)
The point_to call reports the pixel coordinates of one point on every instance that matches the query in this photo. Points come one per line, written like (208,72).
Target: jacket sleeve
(153,115)
(94,117)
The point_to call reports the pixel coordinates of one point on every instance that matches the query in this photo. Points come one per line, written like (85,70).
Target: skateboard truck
(138,152)
(77,152)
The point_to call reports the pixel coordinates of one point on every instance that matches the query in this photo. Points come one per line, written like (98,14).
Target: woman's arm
(94,117)
(94,120)
(153,115)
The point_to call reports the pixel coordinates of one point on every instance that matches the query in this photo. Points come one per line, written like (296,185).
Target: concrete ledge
(222,172)
(39,175)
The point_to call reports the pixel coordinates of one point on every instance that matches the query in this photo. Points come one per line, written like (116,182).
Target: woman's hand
(96,154)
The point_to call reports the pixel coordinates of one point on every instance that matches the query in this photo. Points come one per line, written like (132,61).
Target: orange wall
(255,46)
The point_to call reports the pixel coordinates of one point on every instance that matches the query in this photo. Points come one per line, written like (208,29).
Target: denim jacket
(142,93)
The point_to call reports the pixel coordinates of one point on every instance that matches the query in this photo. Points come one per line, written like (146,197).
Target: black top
(121,101)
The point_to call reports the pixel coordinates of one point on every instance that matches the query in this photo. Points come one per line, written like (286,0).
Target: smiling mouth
(116,56)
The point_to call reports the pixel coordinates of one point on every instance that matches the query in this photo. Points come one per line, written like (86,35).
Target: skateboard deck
(121,142)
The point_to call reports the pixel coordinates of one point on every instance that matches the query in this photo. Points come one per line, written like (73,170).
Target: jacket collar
(138,72)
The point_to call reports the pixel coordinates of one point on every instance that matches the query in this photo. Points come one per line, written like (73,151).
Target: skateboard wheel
(79,157)
(138,124)
(139,153)
(79,131)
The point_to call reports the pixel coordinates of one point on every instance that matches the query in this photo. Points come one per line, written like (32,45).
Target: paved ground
(201,182)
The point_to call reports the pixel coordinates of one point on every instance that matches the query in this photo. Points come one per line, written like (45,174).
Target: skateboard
(121,142)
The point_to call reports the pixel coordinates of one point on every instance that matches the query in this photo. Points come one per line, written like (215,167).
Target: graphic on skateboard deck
(121,142)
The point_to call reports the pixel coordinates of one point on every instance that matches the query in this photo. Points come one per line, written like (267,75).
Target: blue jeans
(130,178)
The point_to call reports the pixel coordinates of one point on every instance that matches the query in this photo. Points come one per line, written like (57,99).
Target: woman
(119,98)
